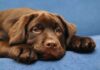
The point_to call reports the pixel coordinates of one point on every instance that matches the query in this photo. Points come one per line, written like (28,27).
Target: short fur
(27,35)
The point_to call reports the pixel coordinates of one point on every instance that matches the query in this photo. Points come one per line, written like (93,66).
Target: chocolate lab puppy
(27,35)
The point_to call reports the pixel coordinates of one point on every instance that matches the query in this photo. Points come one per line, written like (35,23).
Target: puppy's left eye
(58,30)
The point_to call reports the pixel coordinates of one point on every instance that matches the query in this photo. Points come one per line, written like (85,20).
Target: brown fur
(27,35)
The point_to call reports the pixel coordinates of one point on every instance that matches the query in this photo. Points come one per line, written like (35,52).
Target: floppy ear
(17,31)
(70,28)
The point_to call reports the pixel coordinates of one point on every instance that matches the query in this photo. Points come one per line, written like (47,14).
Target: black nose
(50,43)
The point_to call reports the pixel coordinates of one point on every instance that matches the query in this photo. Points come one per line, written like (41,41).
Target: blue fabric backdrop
(84,13)
(71,61)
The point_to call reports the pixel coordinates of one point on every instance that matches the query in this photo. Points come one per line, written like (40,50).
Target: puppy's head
(48,34)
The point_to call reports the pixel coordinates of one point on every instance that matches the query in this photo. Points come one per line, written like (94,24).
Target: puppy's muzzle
(50,44)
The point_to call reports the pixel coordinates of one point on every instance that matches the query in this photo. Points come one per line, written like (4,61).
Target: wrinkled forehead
(48,19)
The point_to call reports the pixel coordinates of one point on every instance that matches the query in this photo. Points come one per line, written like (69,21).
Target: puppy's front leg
(4,49)
(21,53)
(81,44)
(3,35)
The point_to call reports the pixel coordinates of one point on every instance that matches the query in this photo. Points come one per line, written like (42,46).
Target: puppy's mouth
(50,54)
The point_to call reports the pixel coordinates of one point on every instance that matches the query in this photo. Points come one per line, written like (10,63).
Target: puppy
(27,35)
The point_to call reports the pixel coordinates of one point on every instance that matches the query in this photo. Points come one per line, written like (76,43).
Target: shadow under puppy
(27,35)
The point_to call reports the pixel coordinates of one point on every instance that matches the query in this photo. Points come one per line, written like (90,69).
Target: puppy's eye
(37,29)
(58,29)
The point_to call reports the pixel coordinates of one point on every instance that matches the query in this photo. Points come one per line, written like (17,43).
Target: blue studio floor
(85,14)
(71,61)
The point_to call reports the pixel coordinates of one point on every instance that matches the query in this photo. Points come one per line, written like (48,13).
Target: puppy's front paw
(82,44)
(87,44)
(22,54)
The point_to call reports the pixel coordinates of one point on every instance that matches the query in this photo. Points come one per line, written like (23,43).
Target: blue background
(84,13)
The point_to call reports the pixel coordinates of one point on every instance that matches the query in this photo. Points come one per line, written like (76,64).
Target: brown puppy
(27,35)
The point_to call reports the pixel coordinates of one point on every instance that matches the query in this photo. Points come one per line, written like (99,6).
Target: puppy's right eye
(37,29)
